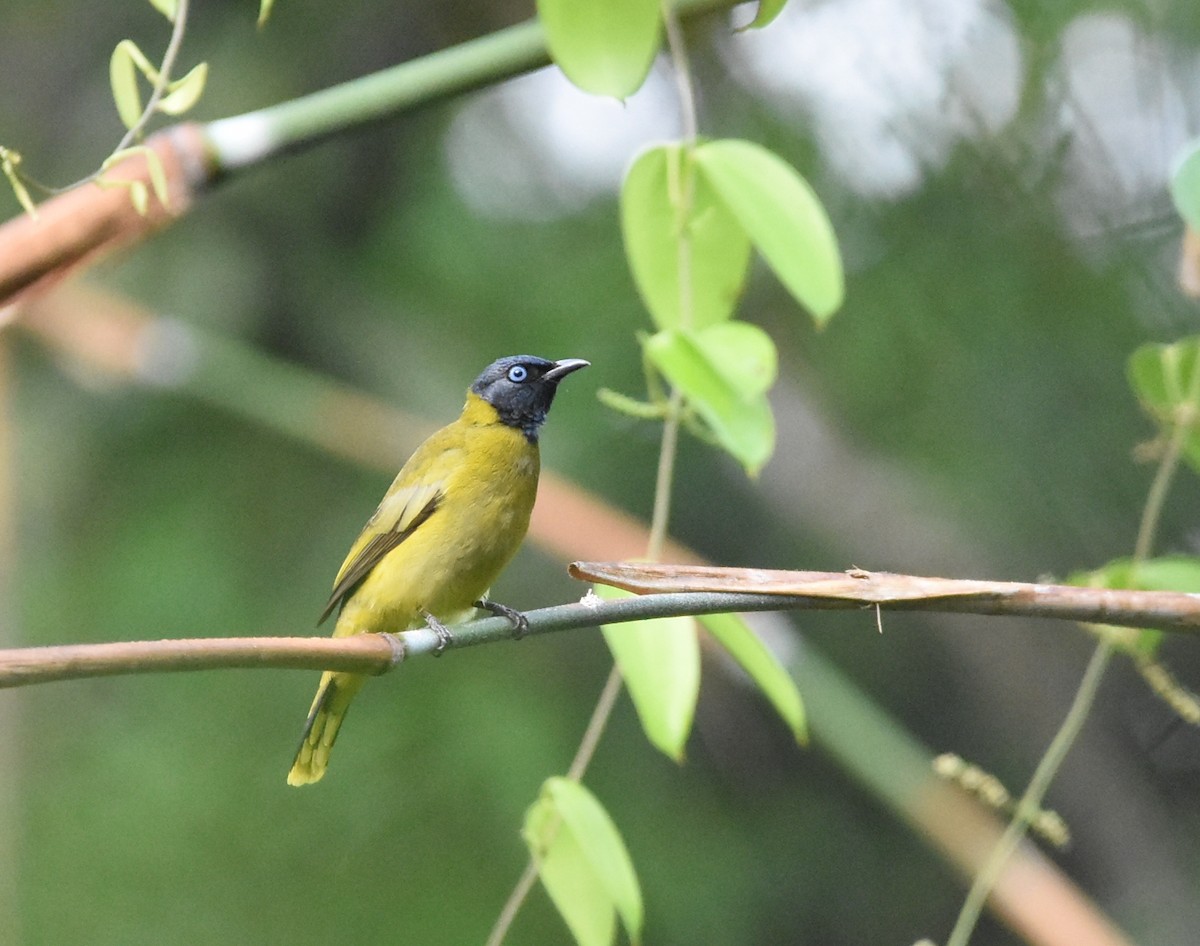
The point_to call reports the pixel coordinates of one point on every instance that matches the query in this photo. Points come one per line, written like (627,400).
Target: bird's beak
(563,368)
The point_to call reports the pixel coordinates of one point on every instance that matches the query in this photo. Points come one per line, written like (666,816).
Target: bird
(450,522)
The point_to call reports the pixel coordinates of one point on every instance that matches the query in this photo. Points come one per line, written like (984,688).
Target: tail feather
(320,730)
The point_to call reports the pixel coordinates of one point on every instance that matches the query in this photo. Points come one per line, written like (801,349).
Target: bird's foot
(518,620)
(445,638)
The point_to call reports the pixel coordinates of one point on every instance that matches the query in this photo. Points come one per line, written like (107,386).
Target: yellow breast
(486,474)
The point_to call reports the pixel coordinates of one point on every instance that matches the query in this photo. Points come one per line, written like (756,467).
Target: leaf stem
(178,28)
(1185,422)
(1031,800)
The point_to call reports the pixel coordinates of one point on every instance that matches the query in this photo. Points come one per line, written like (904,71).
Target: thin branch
(378,653)
(40,251)
(178,28)
(513,904)
(1031,801)
(803,590)
(591,737)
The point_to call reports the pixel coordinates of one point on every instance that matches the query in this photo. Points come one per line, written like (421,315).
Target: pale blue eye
(517,374)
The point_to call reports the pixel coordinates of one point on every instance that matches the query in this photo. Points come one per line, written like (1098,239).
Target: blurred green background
(996,177)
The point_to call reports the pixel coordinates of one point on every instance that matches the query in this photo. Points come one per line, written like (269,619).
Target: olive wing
(401,513)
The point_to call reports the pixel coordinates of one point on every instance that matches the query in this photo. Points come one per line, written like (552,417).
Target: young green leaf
(782,217)
(583,863)
(137,190)
(122,75)
(665,202)
(767,11)
(168,8)
(184,92)
(659,659)
(1167,573)
(1166,380)
(264,12)
(573,887)
(724,384)
(1185,184)
(743,353)
(604,48)
(9,160)
(744,646)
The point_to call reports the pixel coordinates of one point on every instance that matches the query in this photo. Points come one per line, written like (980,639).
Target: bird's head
(521,388)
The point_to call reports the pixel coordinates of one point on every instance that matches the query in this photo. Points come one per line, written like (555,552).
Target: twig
(803,590)
(378,653)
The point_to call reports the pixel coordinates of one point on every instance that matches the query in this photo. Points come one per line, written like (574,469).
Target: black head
(522,387)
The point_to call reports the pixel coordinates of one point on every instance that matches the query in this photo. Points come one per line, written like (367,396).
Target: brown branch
(364,653)
(856,588)
(80,225)
(664,590)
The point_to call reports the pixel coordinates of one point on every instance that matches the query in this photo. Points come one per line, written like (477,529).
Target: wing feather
(399,515)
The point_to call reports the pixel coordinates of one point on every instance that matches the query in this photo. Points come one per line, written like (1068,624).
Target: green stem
(664,479)
(1165,473)
(1031,800)
(249,139)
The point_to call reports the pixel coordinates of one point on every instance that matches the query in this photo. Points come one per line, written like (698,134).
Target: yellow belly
(451,560)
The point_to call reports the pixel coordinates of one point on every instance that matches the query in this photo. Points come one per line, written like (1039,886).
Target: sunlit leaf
(154,170)
(1185,184)
(568,877)
(264,12)
(168,8)
(659,659)
(743,353)
(1167,573)
(122,74)
(139,196)
(158,176)
(665,205)
(734,407)
(744,646)
(783,218)
(767,11)
(184,92)
(1166,380)
(583,863)
(9,160)
(604,48)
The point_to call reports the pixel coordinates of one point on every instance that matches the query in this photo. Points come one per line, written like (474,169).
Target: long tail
(321,729)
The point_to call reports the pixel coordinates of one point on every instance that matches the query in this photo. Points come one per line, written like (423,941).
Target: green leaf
(606,48)
(767,11)
(743,353)
(783,218)
(184,92)
(138,193)
(9,160)
(122,76)
(138,196)
(1166,380)
(665,203)
(1168,573)
(659,659)
(168,8)
(583,863)
(721,375)
(744,646)
(1185,184)
(264,12)
(568,877)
